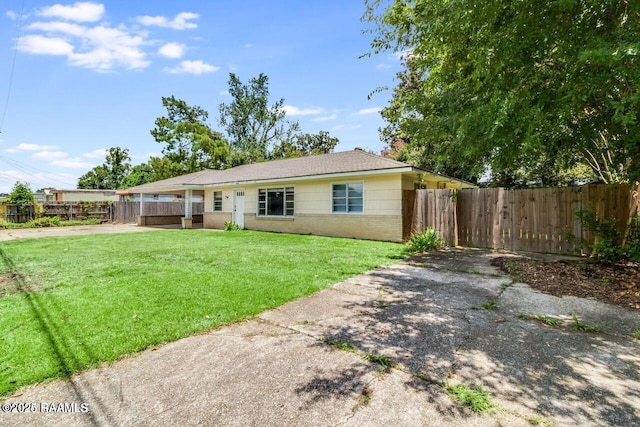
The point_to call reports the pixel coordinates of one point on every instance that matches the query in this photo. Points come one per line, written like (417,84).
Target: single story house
(80,195)
(346,194)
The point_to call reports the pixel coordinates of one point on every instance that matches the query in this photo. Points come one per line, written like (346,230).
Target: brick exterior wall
(371,227)
(216,219)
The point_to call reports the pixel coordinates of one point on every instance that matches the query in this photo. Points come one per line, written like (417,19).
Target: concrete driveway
(426,314)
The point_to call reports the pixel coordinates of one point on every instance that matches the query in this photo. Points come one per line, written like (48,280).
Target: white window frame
(346,183)
(217,200)
(286,191)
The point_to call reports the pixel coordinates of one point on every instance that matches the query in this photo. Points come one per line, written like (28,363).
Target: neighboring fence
(537,220)
(106,211)
(129,211)
(12,213)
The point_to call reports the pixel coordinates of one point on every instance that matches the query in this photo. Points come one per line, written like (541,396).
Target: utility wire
(13,67)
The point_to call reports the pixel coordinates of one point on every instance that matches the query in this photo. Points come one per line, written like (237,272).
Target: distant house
(347,194)
(55,195)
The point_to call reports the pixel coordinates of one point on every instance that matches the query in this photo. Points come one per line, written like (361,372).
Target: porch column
(187,221)
(141,218)
(188,203)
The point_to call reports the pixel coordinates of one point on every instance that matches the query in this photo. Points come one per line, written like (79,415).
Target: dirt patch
(613,283)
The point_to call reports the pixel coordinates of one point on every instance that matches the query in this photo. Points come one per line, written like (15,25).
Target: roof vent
(358,149)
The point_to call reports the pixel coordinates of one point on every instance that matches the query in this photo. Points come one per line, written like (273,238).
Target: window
(347,198)
(217,201)
(275,201)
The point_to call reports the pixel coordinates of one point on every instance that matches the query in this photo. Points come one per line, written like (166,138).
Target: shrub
(231,226)
(426,241)
(632,247)
(45,221)
(608,239)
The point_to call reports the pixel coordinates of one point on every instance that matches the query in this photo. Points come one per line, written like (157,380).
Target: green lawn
(70,303)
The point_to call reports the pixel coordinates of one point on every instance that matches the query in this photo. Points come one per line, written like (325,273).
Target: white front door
(238,207)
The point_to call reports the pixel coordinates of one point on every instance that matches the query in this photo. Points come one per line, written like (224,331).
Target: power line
(13,66)
(31,171)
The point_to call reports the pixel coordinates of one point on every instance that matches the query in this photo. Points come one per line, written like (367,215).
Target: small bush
(45,221)
(633,238)
(231,226)
(427,241)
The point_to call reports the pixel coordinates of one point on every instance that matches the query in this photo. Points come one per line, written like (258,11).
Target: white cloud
(100,153)
(30,147)
(72,163)
(41,45)
(364,111)
(100,48)
(79,12)
(383,66)
(224,93)
(180,22)
(295,111)
(50,155)
(172,50)
(12,15)
(325,118)
(192,67)
(248,45)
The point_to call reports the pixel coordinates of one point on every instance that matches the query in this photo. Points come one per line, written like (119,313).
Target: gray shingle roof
(325,164)
(343,162)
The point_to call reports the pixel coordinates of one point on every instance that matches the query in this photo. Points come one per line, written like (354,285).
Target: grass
(75,302)
(578,325)
(549,321)
(380,359)
(475,398)
(340,345)
(490,305)
(636,334)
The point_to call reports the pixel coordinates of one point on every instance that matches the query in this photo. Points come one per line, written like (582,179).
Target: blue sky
(88,75)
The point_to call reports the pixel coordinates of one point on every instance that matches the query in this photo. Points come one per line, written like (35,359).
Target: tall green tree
(190,145)
(139,174)
(111,173)
(253,127)
(21,195)
(516,86)
(305,144)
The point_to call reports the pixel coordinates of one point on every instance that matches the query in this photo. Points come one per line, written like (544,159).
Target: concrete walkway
(424,314)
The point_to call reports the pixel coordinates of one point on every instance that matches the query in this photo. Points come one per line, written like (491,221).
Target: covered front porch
(184,207)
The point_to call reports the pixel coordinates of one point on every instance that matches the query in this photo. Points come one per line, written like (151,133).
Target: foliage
(490,305)
(578,325)
(636,334)
(50,222)
(109,305)
(21,195)
(253,127)
(304,145)
(424,242)
(550,321)
(340,345)
(231,226)
(380,359)
(632,244)
(608,244)
(521,87)
(475,398)
(190,143)
(109,175)
(139,174)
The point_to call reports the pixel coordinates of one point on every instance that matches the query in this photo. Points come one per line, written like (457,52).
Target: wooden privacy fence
(107,211)
(537,220)
(129,211)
